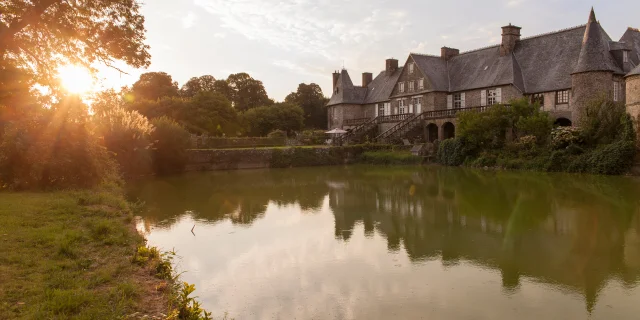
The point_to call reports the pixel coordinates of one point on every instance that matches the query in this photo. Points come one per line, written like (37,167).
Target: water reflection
(571,233)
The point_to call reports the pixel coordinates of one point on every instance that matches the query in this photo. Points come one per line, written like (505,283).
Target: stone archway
(448,130)
(432,132)
(563,122)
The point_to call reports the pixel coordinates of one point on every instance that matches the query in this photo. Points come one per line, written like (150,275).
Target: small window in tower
(616,91)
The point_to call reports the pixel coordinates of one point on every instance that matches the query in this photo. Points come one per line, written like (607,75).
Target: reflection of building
(524,232)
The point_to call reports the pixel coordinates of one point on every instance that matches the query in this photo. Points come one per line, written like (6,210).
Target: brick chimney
(392,66)
(367,77)
(510,36)
(336,75)
(447,53)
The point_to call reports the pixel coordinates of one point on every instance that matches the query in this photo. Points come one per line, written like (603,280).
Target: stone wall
(633,96)
(338,113)
(588,86)
(236,159)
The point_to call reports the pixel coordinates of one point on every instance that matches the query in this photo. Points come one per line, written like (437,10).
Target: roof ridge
(424,54)
(633,29)
(553,32)
(478,49)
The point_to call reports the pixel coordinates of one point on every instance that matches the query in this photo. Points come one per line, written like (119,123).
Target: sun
(76,79)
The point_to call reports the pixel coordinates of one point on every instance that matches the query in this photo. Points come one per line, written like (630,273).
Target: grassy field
(68,255)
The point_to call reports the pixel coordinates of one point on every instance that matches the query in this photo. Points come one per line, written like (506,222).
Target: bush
(54,149)
(171,141)
(126,134)
(603,121)
(561,137)
(277,134)
(537,125)
(452,152)
(615,158)
(282,116)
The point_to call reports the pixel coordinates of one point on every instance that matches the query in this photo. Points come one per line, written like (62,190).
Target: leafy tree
(210,113)
(247,92)
(280,116)
(37,36)
(171,141)
(196,85)
(153,86)
(310,98)
(222,87)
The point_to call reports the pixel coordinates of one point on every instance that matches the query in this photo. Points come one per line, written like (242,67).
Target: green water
(401,243)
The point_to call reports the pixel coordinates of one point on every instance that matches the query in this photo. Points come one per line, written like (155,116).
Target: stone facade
(633,96)
(338,114)
(588,86)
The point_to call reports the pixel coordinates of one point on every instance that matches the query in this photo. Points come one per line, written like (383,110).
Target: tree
(210,113)
(247,92)
(37,36)
(153,86)
(280,116)
(171,143)
(196,85)
(222,87)
(310,98)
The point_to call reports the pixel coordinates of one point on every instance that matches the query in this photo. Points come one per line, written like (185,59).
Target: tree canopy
(247,92)
(310,98)
(153,86)
(196,85)
(37,36)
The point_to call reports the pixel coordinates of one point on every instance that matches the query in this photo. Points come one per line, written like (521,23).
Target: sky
(287,42)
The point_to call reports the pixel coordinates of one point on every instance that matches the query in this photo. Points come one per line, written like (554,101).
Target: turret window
(562,97)
(616,91)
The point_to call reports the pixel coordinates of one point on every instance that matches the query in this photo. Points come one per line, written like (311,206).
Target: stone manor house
(561,70)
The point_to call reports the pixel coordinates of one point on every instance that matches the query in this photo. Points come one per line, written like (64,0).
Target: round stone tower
(593,75)
(633,92)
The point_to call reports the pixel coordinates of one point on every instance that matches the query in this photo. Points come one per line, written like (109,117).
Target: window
(380,109)
(420,84)
(492,97)
(539,98)
(401,106)
(337,90)
(625,56)
(562,97)
(411,67)
(411,86)
(401,87)
(616,91)
(457,100)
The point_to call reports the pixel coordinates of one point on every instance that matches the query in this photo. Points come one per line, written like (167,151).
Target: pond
(363,242)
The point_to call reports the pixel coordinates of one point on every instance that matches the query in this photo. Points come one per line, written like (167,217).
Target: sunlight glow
(76,79)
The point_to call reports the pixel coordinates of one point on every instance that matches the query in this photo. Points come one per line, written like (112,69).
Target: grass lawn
(68,255)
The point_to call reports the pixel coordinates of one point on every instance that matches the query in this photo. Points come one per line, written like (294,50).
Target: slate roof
(634,72)
(595,55)
(538,64)
(347,93)
(632,38)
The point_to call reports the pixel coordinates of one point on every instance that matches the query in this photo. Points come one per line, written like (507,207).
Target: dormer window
(411,67)
(625,56)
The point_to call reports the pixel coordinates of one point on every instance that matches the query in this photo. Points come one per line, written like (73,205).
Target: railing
(356,131)
(356,122)
(411,123)
(395,117)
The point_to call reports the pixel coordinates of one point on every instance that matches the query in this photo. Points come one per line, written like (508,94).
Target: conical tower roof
(634,72)
(595,55)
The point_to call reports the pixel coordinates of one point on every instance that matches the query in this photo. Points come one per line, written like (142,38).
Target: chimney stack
(336,75)
(447,53)
(510,36)
(392,66)
(367,77)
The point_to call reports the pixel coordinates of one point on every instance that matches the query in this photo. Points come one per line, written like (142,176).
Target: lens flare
(76,79)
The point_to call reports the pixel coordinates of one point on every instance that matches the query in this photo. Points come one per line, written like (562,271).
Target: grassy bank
(68,255)
(389,158)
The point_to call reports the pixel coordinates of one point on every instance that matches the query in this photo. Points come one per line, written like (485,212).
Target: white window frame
(492,97)
(420,84)
(411,68)
(412,86)
(625,56)
(401,87)
(380,110)
(616,91)
(401,106)
(457,100)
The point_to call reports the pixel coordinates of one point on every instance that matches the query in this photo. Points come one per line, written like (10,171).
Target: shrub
(126,134)
(54,149)
(171,141)
(277,134)
(561,137)
(601,122)
(537,125)
(615,158)
(452,152)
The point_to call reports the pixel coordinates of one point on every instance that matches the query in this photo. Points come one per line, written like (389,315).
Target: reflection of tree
(565,230)
(240,196)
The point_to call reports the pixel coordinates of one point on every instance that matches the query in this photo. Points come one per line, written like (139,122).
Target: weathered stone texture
(588,86)
(338,113)
(633,96)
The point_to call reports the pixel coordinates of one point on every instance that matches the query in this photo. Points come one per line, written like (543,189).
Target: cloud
(220,35)
(514,3)
(189,20)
